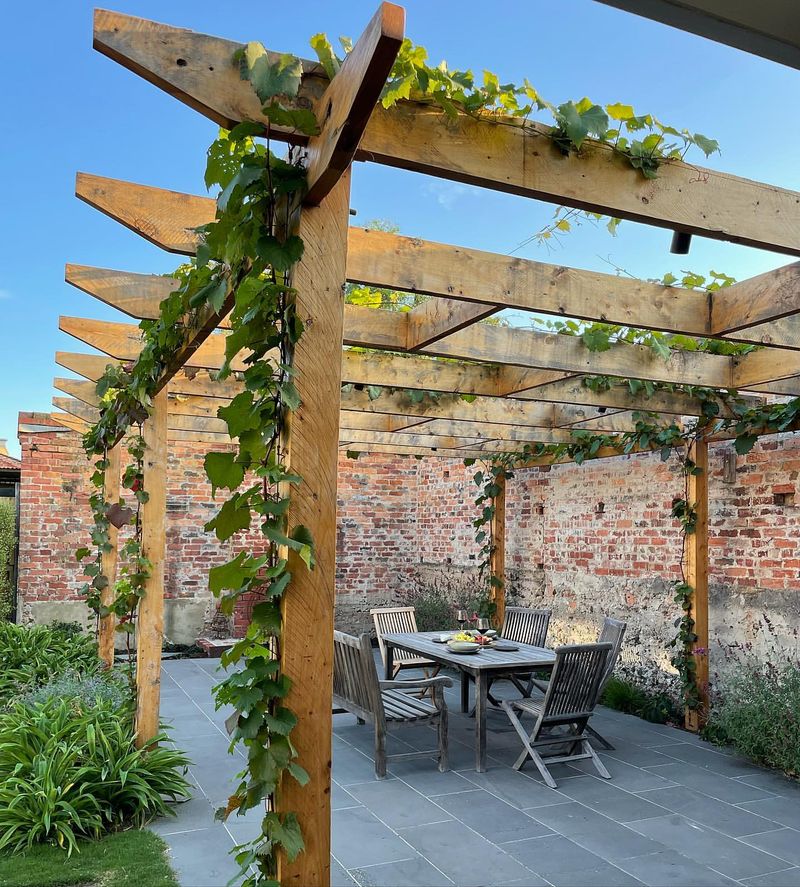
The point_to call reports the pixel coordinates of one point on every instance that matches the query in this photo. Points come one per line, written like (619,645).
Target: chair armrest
(440,681)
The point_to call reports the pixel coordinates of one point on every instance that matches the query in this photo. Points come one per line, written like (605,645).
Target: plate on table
(504,646)
(443,638)
(489,633)
(463,647)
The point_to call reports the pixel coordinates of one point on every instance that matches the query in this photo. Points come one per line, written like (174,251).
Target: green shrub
(433,608)
(756,709)
(84,691)
(32,655)
(8,536)
(70,769)
(622,695)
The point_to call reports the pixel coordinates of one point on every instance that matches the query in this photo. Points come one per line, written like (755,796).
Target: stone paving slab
(676,812)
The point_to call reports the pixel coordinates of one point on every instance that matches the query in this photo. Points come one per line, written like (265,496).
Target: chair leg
(528,751)
(380,751)
(441,735)
(599,765)
(601,739)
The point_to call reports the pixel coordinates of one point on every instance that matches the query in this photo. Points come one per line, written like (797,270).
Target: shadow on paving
(676,811)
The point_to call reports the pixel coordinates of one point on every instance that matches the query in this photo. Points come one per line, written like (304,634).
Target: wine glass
(483,625)
(462,616)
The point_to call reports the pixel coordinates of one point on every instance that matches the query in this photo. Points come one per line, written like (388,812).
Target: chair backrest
(572,690)
(612,632)
(355,680)
(526,626)
(388,620)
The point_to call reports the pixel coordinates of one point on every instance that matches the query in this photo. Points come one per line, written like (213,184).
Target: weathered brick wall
(404,525)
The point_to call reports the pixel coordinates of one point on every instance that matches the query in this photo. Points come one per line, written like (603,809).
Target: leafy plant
(30,656)
(8,539)
(756,709)
(83,692)
(70,769)
(622,695)
(434,610)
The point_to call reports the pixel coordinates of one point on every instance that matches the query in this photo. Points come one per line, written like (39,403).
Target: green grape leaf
(224,471)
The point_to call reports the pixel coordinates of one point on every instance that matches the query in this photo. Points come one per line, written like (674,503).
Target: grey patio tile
(341,798)
(773,781)
(608,839)
(613,841)
(359,839)
(709,758)
(601,795)
(670,869)
(637,755)
(710,783)
(607,875)
(783,843)
(397,804)
(339,876)
(196,813)
(424,775)
(202,858)
(788,878)
(465,857)
(785,810)
(708,847)
(415,872)
(350,765)
(491,817)
(552,854)
(625,776)
(516,788)
(726,818)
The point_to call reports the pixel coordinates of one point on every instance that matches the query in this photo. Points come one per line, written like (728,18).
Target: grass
(125,859)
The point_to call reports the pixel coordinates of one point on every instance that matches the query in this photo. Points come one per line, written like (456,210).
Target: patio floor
(677,811)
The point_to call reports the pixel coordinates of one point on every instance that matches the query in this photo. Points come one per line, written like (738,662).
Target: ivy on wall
(8,541)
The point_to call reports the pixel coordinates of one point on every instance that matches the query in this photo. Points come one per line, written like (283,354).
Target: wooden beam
(766,297)
(421,439)
(764,366)
(697,577)
(437,318)
(165,218)
(81,426)
(150,618)
(497,561)
(108,562)
(380,259)
(515,158)
(401,450)
(347,104)
(311,450)
(374,328)
(124,342)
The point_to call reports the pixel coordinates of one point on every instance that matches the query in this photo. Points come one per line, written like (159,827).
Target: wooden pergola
(527,386)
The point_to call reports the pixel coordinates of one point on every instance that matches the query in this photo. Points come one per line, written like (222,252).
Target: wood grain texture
(696,567)
(497,560)
(108,561)
(377,258)
(766,297)
(311,448)
(521,160)
(437,318)
(123,341)
(344,109)
(150,618)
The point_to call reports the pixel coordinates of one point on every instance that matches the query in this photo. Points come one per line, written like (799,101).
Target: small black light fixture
(600,508)
(353,212)
(681,241)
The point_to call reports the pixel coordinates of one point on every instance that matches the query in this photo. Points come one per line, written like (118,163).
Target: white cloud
(447,194)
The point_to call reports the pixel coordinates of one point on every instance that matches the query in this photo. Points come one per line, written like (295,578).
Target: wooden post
(105,640)
(311,448)
(498,558)
(150,621)
(697,577)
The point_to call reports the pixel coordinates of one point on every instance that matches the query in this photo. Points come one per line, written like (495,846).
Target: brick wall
(404,524)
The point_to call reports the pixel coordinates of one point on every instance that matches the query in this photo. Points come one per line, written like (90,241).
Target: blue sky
(67,108)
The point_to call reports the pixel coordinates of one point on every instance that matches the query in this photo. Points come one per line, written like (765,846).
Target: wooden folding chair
(400,619)
(569,702)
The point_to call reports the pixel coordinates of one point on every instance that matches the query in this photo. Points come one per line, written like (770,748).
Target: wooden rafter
(472,284)
(196,69)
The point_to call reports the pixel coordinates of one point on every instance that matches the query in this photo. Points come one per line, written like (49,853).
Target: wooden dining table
(480,666)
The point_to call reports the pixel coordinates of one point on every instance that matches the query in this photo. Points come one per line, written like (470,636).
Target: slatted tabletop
(484,666)
(486,659)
